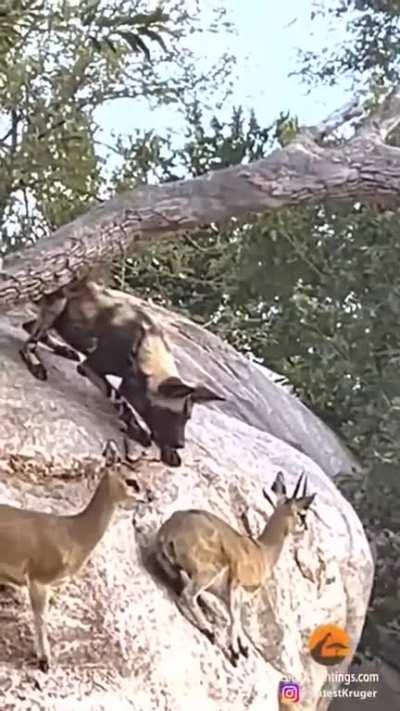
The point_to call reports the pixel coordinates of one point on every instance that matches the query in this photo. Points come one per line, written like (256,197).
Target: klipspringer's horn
(297,487)
(267,496)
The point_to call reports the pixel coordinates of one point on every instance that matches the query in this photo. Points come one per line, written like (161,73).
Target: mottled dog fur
(119,338)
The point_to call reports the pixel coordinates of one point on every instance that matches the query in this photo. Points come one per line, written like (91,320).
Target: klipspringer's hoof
(37,369)
(205,610)
(149,496)
(170,457)
(43,664)
(243,649)
(209,634)
(233,657)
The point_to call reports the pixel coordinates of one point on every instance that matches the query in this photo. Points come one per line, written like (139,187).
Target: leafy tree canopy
(61,62)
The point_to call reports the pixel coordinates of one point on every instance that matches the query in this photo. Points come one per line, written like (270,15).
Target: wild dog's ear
(203,394)
(175,387)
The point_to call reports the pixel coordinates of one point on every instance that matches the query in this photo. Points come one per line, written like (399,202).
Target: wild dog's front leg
(50,309)
(131,425)
(54,344)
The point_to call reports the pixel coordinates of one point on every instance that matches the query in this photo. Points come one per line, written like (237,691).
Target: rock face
(118,639)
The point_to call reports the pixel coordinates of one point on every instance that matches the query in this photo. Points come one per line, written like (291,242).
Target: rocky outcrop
(117,637)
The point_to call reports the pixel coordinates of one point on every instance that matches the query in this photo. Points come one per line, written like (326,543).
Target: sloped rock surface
(118,640)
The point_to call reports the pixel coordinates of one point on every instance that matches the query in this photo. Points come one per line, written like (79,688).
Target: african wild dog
(119,338)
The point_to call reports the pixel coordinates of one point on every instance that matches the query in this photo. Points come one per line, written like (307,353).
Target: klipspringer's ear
(203,394)
(279,486)
(110,453)
(305,502)
(175,387)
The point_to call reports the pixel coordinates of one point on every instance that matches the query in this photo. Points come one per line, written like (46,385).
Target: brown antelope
(209,555)
(119,338)
(40,550)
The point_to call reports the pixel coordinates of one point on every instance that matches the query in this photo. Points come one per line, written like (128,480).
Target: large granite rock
(118,640)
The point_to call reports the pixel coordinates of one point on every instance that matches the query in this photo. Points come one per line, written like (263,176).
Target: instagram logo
(289,692)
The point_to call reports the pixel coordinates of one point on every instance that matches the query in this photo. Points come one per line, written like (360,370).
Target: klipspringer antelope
(40,550)
(207,554)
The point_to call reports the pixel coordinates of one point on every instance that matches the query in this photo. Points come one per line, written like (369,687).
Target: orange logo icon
(329,645)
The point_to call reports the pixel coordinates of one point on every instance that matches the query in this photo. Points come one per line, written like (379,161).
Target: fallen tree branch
(305,171)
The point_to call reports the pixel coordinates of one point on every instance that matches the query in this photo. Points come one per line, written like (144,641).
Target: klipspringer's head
(293,509)
(120,486)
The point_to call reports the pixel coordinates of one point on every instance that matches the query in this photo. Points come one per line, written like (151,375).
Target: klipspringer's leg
(188,602)
(39,597)
(53,343)
(130,424)
(244,517)
(50,308)
(234,605)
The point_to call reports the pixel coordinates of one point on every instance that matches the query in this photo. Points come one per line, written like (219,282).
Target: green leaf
(156,37)
(135,42)
(110,44)
(157,16)
(95,42)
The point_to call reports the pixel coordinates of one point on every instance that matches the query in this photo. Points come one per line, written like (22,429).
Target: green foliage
(193,275)
(369,53)
(132,28)
(376,497)
(15,18)
(365,395)
(62,61)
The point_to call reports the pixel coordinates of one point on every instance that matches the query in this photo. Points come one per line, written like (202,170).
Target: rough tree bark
(307,170)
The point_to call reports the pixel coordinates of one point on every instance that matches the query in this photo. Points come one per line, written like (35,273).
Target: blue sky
(269,33)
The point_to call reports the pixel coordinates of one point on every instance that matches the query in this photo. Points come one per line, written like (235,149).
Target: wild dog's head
(166,410)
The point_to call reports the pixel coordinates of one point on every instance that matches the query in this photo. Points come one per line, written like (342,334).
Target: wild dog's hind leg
(131,425)
(54,344)
(50,309)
